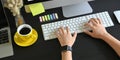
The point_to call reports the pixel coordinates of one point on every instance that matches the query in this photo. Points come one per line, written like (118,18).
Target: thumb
(88,32)
(75,35)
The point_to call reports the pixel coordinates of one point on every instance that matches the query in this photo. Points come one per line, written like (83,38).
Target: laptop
(5,37)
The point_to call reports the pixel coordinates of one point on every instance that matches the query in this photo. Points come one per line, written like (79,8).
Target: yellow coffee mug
(25,35)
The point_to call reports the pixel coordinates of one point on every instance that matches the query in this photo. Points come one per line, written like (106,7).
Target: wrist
(106,35)
(66,52)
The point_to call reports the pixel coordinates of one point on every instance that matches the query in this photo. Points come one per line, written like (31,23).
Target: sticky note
(56,15)
(43,18)
(27,9)
(48,17)
(40,19)
(36,8)
(51,17)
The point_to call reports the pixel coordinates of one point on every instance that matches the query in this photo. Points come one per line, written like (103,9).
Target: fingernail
(75,32)
(84,30)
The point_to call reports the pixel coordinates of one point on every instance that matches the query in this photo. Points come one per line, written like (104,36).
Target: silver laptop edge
(6,49)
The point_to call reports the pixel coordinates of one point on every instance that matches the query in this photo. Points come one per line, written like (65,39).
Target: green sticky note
(36,8)
(48,17)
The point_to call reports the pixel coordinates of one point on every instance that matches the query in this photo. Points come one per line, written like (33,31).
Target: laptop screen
(3,20)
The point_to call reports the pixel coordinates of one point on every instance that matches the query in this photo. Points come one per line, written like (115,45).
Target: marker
(40,19)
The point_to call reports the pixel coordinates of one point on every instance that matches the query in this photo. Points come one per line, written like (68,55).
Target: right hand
(98,30)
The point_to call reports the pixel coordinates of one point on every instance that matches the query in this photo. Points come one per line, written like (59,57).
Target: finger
(99,20)
(96,20)
(60,39)
(88,32)
(93,21)
(89,25)
(75,35)
(68,31)
(57,35)
(62,29)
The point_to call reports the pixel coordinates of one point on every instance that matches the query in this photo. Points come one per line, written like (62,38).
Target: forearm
(113,42)
(67,55)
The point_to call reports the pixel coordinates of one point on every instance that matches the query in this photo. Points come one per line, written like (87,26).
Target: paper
(27,9)
(36,8)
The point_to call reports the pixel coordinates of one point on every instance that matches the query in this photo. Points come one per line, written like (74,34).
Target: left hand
(64,36)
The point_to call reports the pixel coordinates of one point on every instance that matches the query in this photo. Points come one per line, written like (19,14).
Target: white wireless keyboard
(74,24)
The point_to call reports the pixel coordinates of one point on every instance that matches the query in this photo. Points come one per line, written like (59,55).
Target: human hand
(98,30)
(64,36)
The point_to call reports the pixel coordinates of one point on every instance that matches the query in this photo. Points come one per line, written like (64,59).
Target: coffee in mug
(25,35)
(24,30)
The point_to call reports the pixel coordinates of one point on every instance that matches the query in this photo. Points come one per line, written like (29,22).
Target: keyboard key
(3,36)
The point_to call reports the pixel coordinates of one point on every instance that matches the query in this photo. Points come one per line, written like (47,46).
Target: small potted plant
(15,6)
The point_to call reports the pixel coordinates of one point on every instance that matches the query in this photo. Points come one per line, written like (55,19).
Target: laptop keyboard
(4,36)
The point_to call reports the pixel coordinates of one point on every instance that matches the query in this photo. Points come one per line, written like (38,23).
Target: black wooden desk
(85,47)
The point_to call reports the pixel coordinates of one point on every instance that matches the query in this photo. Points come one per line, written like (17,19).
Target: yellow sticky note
(27,9)
(36,8)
